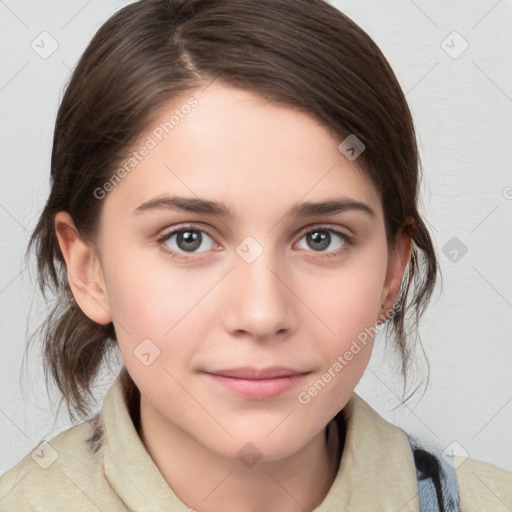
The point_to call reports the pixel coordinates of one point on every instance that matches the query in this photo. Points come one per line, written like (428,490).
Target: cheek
(152,299)
(349,301)
(150,294)
(349,306)
(351,314)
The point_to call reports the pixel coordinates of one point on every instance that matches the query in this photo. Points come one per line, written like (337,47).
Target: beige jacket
(77,471)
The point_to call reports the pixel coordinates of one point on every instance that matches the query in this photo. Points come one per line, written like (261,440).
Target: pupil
(321,237)
(191,239)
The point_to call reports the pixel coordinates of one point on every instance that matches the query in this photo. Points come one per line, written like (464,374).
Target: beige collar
(376,472)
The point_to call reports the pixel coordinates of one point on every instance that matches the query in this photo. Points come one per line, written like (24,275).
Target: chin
(256,444)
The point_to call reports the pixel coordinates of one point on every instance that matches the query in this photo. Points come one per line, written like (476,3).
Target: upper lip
(257,374)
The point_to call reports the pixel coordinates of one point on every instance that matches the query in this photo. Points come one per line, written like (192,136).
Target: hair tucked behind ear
(302,53)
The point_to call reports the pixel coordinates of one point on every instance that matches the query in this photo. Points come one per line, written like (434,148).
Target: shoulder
(483,486)
(61,474)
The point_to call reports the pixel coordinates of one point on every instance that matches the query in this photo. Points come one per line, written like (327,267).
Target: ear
(399,254)
(84,272)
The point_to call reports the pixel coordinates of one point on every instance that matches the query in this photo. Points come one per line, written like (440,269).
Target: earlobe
(84,272)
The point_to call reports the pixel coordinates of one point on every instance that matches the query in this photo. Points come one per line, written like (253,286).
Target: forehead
(239,148)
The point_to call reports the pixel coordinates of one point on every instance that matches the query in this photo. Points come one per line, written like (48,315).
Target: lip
(257,384)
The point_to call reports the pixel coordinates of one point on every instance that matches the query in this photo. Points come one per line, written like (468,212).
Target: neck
(208,481)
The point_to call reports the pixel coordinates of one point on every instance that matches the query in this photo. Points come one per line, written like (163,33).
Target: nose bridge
(260,301)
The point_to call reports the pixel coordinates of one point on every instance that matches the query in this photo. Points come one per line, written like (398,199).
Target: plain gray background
(452,60)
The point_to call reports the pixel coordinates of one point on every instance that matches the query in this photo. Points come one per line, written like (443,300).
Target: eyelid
(183,227)
(347,233)
(301,232)
(349,238)
(177,255)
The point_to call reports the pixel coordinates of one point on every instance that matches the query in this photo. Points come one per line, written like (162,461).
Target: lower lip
(258,389)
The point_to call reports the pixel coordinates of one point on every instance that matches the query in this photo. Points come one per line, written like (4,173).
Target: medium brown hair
(303,53)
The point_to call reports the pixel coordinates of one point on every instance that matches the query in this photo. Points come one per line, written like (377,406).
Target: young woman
(233,207)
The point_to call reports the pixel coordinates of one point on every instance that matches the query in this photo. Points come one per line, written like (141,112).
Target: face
(241,328)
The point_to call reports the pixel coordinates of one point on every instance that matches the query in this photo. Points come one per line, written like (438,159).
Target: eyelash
(348,240)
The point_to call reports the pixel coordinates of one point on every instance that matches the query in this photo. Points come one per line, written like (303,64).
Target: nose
(259,303)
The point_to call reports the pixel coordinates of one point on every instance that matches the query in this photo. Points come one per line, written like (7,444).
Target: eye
(182,241)
(186,239)
(321,238)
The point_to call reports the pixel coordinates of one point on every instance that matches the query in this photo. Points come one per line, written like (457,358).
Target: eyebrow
(209,207)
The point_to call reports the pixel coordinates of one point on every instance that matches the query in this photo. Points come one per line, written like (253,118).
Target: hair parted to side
(303,53)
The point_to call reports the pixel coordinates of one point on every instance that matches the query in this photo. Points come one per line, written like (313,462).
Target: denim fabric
(437,480)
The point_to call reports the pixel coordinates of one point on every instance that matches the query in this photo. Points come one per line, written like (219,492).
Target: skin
(292,306)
